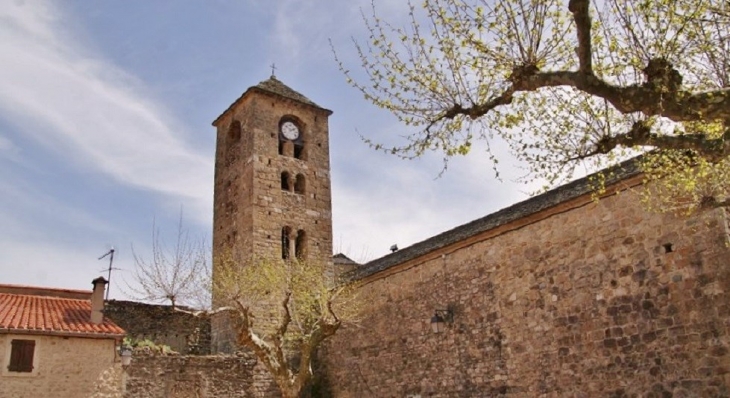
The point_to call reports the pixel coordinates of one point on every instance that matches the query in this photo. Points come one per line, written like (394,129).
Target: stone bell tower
(272,196)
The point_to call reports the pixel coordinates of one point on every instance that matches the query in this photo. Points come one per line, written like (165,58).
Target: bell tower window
(299,151)
(285,181)
(300,245)
(300,184)
(285,242)
(291,142)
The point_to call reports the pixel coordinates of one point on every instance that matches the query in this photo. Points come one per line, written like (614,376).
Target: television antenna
(110,254)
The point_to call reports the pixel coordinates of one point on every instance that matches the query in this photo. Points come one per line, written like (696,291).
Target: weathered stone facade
(556,296)
(63,367)
(182,332)
(578,299)
(180,376)
(252,205)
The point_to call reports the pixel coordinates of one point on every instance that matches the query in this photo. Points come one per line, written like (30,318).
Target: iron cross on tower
(273,69)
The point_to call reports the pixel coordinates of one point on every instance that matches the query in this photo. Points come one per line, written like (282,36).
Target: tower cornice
(275,88)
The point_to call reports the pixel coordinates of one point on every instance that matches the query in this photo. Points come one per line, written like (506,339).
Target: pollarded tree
(283,310)
(565,83)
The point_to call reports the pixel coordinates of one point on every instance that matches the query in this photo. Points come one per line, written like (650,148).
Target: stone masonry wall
(602,299)
(183,376)
(63,367)
(184,333)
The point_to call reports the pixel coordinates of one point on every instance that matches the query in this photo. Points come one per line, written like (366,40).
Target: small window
(21,356)
(300,184)
(285,184)
(299,151)
(285,241)
(300,245)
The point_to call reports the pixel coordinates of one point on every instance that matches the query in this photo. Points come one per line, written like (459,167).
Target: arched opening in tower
(285,242)
(300,245)
(285,181)
(300,184)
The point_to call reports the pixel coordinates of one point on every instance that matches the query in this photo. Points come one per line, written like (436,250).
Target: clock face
(289,130)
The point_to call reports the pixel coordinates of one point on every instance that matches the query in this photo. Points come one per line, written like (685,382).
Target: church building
(557,296)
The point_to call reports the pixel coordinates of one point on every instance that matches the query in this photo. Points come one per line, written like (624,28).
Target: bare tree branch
(641,135)
(582,18)
(644,98)
(179,275)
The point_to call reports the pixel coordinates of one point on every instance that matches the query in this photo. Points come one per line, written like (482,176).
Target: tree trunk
(289,393)
(288,389)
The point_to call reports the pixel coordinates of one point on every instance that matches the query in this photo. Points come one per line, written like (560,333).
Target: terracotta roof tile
(46,291)
(27,313)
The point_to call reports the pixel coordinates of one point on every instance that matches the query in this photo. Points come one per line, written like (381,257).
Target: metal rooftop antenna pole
(110,253)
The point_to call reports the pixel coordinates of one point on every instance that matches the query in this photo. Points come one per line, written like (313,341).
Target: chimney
(97,300)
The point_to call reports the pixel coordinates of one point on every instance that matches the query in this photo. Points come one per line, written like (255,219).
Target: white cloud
(97,116)
(302,28)
(34,19)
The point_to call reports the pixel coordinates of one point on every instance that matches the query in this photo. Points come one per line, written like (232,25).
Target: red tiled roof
(46,291)
(28,313)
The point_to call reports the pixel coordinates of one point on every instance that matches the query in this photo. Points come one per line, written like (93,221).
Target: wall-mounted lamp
(126,355)
(440,318)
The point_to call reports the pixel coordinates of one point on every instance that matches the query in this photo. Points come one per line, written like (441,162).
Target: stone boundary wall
(153,375)
(184,333)
(600,299)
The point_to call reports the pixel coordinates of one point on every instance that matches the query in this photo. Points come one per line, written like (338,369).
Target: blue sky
(105,113)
